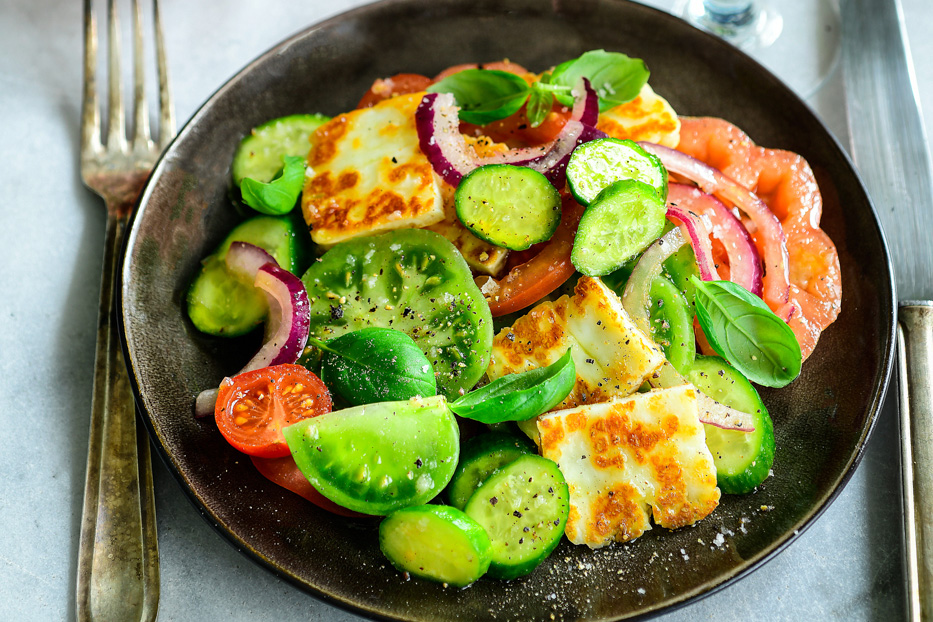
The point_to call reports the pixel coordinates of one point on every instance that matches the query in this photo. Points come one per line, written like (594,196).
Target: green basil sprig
(279,195)
(487,95)
(375,365)
(517,397)
(484,95)
(616,77)
(743,330)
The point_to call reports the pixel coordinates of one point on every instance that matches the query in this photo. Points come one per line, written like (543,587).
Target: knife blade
(890,149)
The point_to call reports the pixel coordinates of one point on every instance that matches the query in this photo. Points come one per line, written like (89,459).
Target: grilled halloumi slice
(367,174)
(633,458)
(648,117)
(611,355)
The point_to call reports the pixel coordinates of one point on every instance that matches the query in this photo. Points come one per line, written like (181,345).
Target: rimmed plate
(822,421)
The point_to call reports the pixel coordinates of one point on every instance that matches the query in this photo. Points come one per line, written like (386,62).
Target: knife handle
(915,363)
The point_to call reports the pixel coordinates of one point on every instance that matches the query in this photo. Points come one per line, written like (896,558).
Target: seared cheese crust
(368,175)
(611,355)
(648,117)
(624,457)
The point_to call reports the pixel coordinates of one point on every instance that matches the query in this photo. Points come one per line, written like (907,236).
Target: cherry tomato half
(285,473)
(399,84)
(253,407)
(529,282)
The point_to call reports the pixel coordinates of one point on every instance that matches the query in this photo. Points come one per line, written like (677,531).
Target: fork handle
(118,555)
(915,361)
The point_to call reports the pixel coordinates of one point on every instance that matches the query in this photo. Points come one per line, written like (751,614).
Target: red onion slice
(776,282)
(638,287)
(289,318)
(438,125)
(697,232)
(286,331)
(744,261)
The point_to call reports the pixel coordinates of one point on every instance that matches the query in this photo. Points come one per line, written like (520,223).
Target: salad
(513,307)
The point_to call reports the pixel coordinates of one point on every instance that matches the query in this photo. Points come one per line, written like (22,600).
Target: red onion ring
(438,125)
(695,230)
(776,281)
(744,261)
(287,328)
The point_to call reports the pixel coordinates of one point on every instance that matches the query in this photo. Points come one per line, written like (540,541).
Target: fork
(118,554)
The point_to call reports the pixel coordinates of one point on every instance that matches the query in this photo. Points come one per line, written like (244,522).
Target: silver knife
(890,149)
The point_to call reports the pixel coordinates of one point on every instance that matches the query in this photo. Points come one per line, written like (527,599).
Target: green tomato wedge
(411,280)
(510,206)
(259,155)
(436,542)
(595,165)
(378,458)
(620,223)
(521,396)
(524,508)
(743,459)
(222,304)
(480,457)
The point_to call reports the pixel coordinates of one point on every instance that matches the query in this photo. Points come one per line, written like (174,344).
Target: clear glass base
(798,40)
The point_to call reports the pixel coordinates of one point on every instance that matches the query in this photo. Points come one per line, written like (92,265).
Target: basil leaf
(484,95)
(518,397)
(376,365)
(539,105)
(617,78)
(279,195)
(745,332)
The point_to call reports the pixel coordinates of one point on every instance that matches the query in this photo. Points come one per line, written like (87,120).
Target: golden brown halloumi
(625,457)
(367,174)
(611,355)
(648,117)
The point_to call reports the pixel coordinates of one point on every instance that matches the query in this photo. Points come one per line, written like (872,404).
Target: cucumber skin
(244,306)
(592,262)
(480,457)
(733,474)
(259,146)
(531,233)
(578,186)
(475,542)
(507,568)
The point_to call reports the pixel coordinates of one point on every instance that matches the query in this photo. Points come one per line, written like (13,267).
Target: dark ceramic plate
(822,421)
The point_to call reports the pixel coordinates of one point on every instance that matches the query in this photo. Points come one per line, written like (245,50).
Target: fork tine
(90,113)
(166,108)
(141,140)
(116,132)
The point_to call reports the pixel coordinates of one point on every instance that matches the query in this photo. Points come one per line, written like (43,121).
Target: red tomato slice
(529,282)
(502,65)
(253,407)
(399,84)
(285,473)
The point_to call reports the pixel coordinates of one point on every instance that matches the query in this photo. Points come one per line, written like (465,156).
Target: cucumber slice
(411,280)
(436,542)
(620,223)
(378,458)
(222,304)
(524,509)
(595,165)
(259,155)
(480,457)
(743,459)
(509,206)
